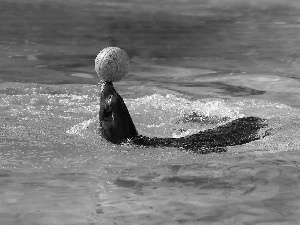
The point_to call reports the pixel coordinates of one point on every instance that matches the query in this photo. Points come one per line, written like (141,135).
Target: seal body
(117,126)
(115,122)
(112,64)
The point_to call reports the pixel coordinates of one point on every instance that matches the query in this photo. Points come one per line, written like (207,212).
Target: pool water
(194,66)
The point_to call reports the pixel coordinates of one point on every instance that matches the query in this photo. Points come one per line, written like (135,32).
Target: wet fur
(117,126)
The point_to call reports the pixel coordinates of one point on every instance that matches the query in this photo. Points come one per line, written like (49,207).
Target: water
(194,65)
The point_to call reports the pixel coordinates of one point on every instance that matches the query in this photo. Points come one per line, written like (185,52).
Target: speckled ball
(112,64)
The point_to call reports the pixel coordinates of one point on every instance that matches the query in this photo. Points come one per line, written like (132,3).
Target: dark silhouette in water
(115,122)
(117,126)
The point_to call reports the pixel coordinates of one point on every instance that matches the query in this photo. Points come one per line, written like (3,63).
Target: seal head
(115,122)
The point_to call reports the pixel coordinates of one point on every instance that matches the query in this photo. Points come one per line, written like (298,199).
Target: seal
(116,126)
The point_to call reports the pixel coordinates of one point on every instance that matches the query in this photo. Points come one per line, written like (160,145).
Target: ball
(112,64)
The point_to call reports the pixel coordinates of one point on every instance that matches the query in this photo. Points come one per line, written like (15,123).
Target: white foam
(78,128)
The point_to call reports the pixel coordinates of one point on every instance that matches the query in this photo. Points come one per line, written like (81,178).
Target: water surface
(194,66)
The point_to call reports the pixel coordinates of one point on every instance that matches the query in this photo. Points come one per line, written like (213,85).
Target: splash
(174,116)
(58,123)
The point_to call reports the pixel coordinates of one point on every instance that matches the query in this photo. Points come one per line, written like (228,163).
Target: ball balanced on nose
(112,64)
(116,125)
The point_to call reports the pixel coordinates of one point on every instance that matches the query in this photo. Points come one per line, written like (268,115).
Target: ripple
(83,75)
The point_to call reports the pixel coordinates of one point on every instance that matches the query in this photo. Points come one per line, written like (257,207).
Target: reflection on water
(58,38)
(206,193)
(194,66)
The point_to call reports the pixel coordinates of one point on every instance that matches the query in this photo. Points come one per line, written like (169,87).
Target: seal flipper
(115,122)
